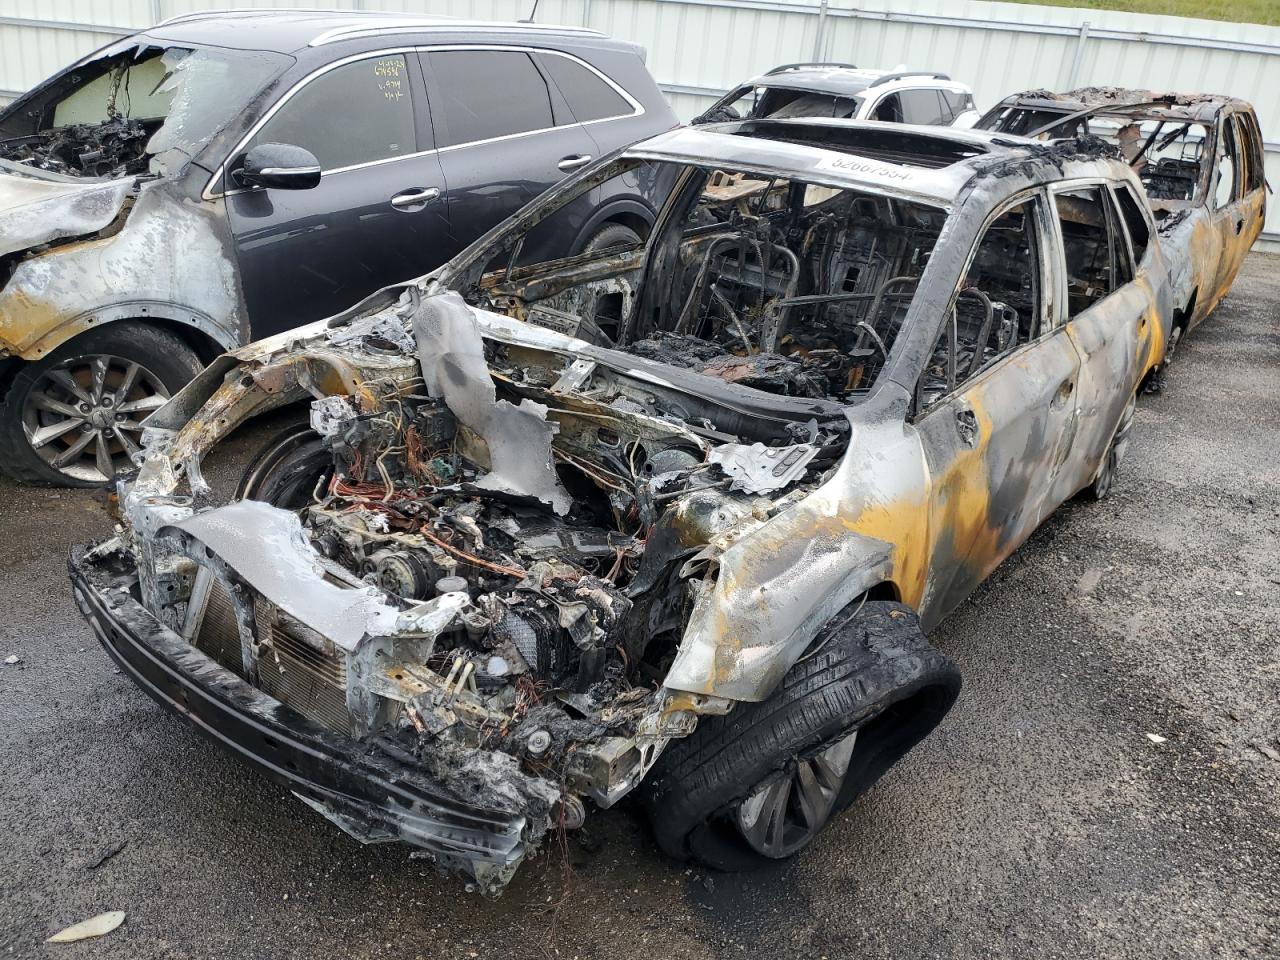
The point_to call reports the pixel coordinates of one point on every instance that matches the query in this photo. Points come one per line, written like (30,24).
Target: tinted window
(1087,242)
(355,113)
(889,109)
(781,103)
(922,106)
(957,103)
(1131,212)
(588,96)
(481,94)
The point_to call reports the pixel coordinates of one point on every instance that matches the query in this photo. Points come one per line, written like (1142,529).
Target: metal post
(157,11)
(1073,78)
(820,37)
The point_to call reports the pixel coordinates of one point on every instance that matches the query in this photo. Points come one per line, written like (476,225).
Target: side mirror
(279,165)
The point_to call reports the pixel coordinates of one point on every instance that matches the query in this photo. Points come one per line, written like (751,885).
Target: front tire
(74,418)
(758,784)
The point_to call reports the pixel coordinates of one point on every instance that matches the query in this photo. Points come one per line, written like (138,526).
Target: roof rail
(801,66)
(904,74)
(260,11)
(440,23)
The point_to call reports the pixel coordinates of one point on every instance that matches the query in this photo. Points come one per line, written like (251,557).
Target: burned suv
(224,176)
(669,518)
(1200,159)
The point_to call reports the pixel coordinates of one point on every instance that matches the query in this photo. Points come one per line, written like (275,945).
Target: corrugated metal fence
(698,48)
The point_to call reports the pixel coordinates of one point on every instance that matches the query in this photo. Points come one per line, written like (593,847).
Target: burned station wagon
(1200,160)
(671,518)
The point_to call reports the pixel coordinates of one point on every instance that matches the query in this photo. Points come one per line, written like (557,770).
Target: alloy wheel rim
(84,416)
(787,809)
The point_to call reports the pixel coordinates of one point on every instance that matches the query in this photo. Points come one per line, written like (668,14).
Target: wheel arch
(628,212)
(197,329)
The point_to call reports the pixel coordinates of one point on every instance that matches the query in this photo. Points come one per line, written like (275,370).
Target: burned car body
(227,175)
(1200,159)
(671,516)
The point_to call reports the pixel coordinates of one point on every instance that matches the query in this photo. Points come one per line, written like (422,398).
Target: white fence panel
(699,48)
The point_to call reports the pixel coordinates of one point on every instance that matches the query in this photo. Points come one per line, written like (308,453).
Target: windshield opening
(786,286)
(139,108)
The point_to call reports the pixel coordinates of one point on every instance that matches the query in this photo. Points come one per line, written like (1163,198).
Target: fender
(176,313)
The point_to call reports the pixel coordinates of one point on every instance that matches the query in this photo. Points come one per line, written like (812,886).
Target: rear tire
(73,419)
(875,675)
(612,236)
(1101,486)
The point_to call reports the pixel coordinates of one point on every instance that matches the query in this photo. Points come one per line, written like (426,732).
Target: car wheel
(1106,477)
(611,236)
(1175,337)
(75,417)
(287,470)
(758,784)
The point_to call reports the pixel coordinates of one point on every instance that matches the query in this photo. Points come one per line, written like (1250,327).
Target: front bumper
(372,789)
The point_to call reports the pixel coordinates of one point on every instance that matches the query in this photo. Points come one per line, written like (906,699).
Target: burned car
(1200,159)
(670,519)
(224,176)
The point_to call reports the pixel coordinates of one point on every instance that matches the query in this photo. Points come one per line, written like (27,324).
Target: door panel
(1112,320)
(505,135)
(1005,376)
(377,216)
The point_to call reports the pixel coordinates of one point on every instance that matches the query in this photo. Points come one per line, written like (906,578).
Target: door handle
(1239,224)
(574,161)
(967,427)
(1063,393)
(415,199)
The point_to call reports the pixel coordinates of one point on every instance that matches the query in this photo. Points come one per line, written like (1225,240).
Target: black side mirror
(279,165)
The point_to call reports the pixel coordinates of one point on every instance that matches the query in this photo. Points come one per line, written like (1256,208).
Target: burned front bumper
(372,789)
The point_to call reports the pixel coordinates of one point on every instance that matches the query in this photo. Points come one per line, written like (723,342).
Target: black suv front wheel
(74,418)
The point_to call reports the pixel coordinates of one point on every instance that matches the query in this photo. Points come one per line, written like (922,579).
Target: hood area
(36,212)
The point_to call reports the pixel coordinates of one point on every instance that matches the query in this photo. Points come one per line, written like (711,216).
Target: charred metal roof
(287,31)
(849,153)
(1199,107)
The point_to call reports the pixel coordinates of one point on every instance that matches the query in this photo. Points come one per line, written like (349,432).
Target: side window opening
(1131,212)
(998,308)
(588,95)
(484,94)
(922,106)
(1087,246)
(356,113)
(889,110)
(1228,172)
(1251,151)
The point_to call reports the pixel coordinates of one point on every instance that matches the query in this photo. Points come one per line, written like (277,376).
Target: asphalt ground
(1041,820)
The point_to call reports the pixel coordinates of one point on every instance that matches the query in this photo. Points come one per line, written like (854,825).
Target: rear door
(505,134)
(377,216)
(996,404)
(1230,209)
(1112,319)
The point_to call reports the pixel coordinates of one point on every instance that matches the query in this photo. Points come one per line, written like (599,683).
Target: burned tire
(74,418)
(842,716)
(285,472)
(1110,466)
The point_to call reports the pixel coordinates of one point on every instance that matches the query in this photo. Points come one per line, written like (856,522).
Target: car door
(377,216)
(1112,318)
(1228,199)
(995,407)
(505,134)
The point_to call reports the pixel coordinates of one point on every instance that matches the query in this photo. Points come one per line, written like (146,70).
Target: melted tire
(876,674)
(284,473)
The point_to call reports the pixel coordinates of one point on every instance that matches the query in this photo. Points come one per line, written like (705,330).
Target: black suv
(222,177)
